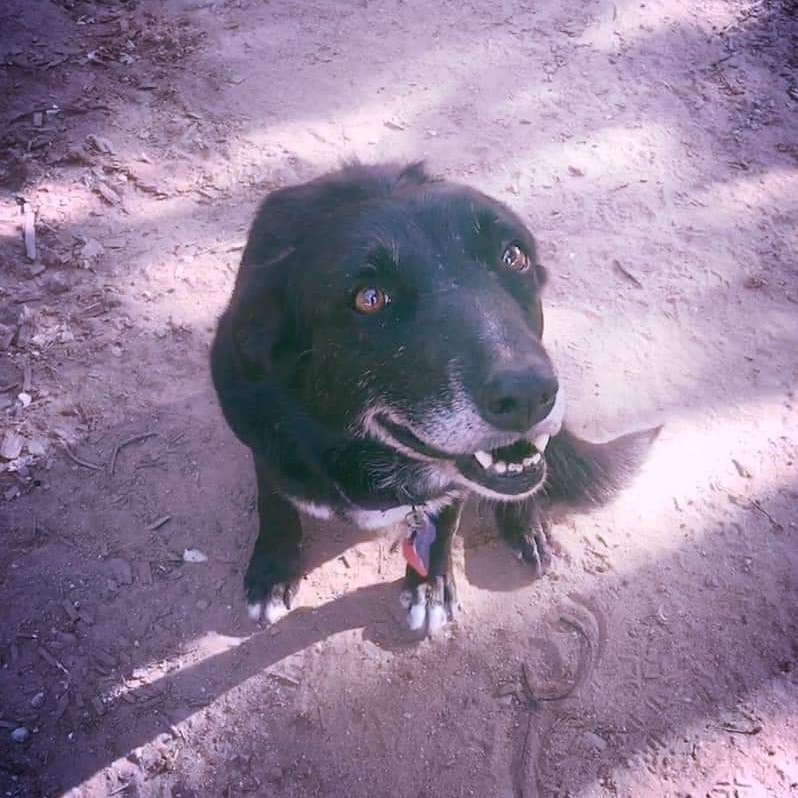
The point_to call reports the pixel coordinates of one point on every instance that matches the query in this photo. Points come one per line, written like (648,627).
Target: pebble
(37,700)
(11,445)
(56,283)
(594,741)
(20,734)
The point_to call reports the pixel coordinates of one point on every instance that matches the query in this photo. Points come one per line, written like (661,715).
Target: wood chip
(158,523)
(107,193)
(29,231)
(69,609)
(51,660)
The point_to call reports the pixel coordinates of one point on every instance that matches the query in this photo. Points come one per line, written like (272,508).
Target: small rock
(122,571)
(194,555)
(24,398)
(20,734)
(11,445)
(203,604)
(100,143)
(594,741)
(56,283)
(37,700)
(92,249)
(36,446)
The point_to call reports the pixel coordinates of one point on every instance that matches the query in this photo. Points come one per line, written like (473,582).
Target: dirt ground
(652,147)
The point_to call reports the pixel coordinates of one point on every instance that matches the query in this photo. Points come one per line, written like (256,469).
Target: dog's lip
(534,438)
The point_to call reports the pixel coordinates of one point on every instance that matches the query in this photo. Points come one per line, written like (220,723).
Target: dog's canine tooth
(485,459)
(500,466)
(515,468)
(536,458)
(541,442)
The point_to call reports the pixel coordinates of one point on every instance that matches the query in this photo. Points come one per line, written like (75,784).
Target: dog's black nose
(515,400)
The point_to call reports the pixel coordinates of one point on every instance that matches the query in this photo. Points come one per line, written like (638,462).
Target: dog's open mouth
(510,470)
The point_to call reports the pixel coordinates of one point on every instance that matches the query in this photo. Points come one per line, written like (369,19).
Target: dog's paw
(533,549)
(431,603)
(270,586)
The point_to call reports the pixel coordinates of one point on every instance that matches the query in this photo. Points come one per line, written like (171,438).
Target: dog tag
(416,546)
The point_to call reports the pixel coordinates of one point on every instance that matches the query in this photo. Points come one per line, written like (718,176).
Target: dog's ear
(264,324)
(584,474)
(262,332)
(289,214)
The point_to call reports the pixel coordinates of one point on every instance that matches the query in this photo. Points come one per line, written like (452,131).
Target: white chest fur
(374,520)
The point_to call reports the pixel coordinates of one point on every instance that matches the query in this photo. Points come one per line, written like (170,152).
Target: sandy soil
(653,148)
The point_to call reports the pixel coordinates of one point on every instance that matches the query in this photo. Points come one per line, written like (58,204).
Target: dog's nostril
(514,400)
(503,405)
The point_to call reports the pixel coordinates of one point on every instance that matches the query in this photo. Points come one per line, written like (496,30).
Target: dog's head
(406,309)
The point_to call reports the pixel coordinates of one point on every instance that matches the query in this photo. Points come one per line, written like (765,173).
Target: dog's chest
(376,520)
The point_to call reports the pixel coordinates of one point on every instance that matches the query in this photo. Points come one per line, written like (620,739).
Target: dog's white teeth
(500,467)
(541,442)
(485,459)
(515,468)
(535,459)
(527,461)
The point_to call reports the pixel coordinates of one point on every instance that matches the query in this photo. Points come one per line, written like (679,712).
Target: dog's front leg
(524,527)
(433,599)
(272,577)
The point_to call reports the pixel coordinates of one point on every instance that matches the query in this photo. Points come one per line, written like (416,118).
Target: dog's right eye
(514,258)
(370,300)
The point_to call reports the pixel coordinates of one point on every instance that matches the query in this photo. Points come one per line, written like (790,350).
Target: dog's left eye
(514,258)
(370,300)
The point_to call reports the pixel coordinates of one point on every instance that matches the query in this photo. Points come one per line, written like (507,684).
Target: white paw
(274,610)
(417,616)
(431,605)
(436,619)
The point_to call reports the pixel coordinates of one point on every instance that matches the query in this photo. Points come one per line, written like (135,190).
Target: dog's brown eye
(515,259)
(370,300)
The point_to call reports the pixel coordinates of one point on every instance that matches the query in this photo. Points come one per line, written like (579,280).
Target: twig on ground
(118,448)
(757,506)
(80,461)
(627,274)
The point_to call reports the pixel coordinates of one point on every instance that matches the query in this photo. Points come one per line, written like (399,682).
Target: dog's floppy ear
(264,323)
(260,323)
(263,332)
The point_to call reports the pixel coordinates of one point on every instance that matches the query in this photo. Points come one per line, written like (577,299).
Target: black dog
(381,356)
